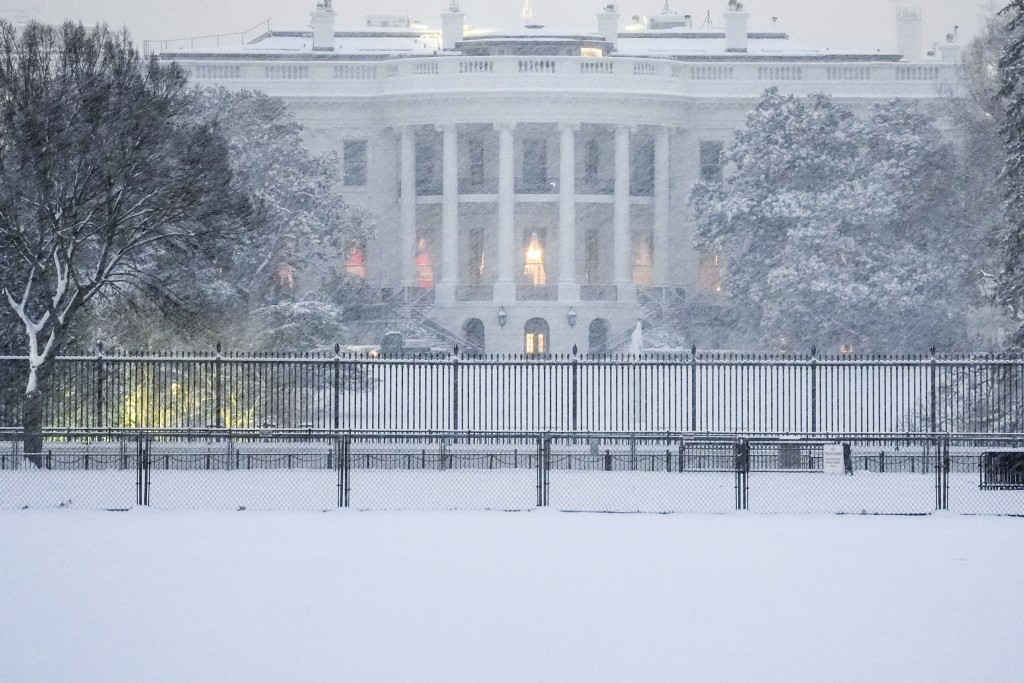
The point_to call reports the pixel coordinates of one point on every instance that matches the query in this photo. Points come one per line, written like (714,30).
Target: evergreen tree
(838,230)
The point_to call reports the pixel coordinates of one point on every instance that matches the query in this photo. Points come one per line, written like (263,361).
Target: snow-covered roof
(418,40)
(364,41)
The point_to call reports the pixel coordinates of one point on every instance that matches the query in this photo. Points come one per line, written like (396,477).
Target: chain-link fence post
(742,453)
(343,463)
(143,475)
(543,470)
(944,467)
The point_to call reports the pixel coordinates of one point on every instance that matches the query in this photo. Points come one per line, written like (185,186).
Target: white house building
(530,186)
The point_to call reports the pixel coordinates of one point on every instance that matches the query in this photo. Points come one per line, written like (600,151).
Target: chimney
(322,22)
(608,25)
(950,50)
(736,20)
(452,26)
(910,34)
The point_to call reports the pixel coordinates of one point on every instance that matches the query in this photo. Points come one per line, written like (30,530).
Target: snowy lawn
(489,596)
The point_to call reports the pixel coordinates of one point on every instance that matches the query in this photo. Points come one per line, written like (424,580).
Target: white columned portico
(661,205)
(408,207)
(568,287)
(449,214)
(622,242)
(505,280)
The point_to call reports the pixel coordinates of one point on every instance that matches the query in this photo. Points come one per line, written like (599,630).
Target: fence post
(455,390)
(138,470)
(933,416)
(543,470)
(693,388)
(814,389)
(218,389)
(99,385)
(575,388)
(944,466)
(344,465)
(336,403)
(742,451)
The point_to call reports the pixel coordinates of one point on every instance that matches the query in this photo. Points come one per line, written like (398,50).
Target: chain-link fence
(607,472)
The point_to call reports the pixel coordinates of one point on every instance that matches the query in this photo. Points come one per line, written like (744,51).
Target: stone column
(568,287)
(622,241)
(408,242)
(505,280)
(445,290)
(662,265)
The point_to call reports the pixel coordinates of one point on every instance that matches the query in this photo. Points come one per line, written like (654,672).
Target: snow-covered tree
(301,232)
(839,230)
(1010,277)
(103,170)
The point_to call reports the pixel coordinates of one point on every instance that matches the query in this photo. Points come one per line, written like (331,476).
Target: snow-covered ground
(495,596)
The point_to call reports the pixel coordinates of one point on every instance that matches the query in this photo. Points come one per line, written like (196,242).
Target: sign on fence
(832,460)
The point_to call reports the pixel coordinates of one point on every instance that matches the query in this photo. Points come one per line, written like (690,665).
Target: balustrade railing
(618,72)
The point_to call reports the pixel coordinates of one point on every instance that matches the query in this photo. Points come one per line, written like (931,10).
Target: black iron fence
(689,392)
(620,472)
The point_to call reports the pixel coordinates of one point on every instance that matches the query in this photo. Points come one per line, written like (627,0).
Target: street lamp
(571,316)
(502,316)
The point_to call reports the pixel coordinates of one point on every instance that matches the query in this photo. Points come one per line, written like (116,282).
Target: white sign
(832,462)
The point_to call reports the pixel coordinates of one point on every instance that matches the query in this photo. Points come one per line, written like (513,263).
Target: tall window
(355,266)
(354,156)
(641,172)
(643,266)
(592,258)
(536,337)
(475,154)
(592,162)
(535,164)
(711,161)
(709,272)
(428,167)
(476,264)
(424,267)
(533,272)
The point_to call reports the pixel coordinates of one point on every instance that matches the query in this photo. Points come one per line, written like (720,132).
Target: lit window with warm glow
(537,337)
(424,267)
(846,348)
(534,270)
(591,52)
(285,275)
(535,344)
(709,272)
(356,264)
(643,270)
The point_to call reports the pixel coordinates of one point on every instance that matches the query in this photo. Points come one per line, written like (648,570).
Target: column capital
(443,127)
(566,127)
(505,126)
(630,128)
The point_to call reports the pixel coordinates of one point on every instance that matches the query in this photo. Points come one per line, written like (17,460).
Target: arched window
(537,337)
(597,342)
(473,333)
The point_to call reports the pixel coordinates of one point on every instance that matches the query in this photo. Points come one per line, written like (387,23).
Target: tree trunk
(33,419)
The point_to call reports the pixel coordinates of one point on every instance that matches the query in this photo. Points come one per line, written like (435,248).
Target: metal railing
(623,472)
(697,392)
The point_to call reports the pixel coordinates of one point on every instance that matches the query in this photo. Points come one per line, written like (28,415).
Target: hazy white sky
(836,24)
